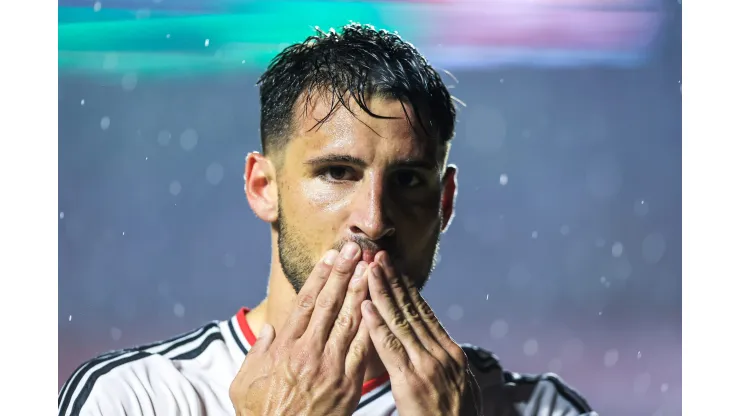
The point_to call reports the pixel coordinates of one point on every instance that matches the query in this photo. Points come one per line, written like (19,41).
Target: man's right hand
(315,366)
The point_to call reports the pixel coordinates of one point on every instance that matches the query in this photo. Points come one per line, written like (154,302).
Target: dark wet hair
(355,63)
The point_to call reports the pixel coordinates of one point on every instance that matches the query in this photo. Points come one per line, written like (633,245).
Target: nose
(369,218)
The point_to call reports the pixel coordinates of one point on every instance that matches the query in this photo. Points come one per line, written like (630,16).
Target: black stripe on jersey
(70,386)
(216,336)
(87,388)
(84,367)
(563,389)
(236,338)
(380,393)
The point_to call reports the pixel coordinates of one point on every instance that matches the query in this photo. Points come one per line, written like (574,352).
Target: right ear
(260,187)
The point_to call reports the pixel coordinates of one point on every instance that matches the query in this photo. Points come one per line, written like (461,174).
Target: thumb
(264,340)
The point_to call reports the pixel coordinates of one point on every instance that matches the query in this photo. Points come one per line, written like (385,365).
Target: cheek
(324,198)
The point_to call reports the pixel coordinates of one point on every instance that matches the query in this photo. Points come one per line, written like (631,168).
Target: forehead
(399,136)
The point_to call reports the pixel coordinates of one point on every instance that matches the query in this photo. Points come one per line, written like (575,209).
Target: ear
(449,193)
(260,187)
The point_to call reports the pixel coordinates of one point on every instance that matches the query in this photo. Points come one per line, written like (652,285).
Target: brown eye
(338,173)
(407,179)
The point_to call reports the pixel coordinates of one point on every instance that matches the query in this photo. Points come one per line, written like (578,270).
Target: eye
(337,173)
(408,179)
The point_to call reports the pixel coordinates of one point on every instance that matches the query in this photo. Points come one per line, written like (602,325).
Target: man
(356,130)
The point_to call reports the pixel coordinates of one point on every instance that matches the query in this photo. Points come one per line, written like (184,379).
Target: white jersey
(190,375)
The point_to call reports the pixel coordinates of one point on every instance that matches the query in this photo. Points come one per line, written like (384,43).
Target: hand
(315,366)
(429,372)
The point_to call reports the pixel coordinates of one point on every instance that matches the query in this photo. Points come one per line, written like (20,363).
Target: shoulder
(506,392)
(125,381)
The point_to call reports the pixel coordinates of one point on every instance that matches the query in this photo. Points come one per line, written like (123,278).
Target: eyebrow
(351,160)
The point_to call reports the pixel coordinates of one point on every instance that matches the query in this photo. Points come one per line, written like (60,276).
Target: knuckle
(326,302)
(390,342)
(345,320)
(358,350)
(426,311)
(400,323)
(306,302)
(410,312)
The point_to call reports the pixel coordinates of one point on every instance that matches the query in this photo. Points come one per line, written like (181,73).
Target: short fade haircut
(357,62)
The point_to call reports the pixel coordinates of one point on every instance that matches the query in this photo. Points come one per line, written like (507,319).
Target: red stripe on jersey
(241,318)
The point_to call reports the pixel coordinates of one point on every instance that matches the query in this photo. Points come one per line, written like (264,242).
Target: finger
(332,295)
(264,340)
(390,349)
(261,346)
(394,318)
(355,362)
(306,300)
(348,321)
(415,310)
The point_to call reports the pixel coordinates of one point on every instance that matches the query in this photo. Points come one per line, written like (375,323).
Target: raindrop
(653,248)
(179,310)
(123,233)
(207,42)
(97,6)
(641,208)
(617,249)
(105,123)
(501,80)
(70,318)
(610,358)
(214,173)
(530,347)
(115,333)
(61,215)
(188,139)
(455,312)
(639,354)
(175,188)
(167,36)
(499,329)
(564,230)
(487,296)
(664,387)
(503,179)
(534,234)
(163,138)
(82,102)
(642,383)
(129,81)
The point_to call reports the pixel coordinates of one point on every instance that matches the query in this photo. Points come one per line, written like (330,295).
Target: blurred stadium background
(565,254)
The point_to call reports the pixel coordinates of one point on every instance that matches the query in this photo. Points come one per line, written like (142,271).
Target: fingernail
(360,269)
(368,306)
(357,278)
(350,250)
(330,257)
(265,330)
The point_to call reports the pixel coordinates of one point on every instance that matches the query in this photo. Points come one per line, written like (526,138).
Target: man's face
(378,182)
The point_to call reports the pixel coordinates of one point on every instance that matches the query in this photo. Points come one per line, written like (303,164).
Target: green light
(113,42)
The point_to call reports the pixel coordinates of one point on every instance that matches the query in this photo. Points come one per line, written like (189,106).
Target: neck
(278,305)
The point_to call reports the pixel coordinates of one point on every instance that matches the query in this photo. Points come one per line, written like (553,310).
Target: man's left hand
(428,371)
